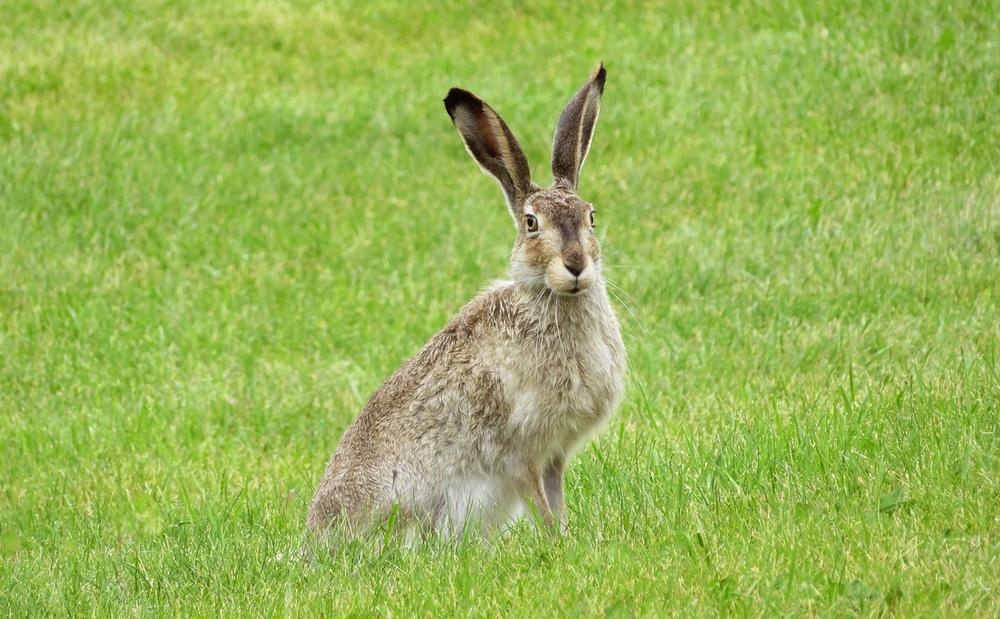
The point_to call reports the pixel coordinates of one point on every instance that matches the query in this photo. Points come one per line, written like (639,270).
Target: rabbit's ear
(491,144)
(576,128)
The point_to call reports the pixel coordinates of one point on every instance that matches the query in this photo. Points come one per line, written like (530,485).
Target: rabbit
(477,428)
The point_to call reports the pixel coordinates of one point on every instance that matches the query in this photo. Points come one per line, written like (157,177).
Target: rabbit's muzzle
(571,272)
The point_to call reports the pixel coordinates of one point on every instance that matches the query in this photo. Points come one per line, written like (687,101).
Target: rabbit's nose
(574,258)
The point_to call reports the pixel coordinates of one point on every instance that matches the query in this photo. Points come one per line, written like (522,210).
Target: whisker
(631,313)
(554,301)
(622,289)
(562,349)
(538,297)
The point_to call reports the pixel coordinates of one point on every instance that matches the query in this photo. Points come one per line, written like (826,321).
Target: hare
(477,428)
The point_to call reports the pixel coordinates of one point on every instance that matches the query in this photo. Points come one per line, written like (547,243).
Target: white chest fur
(564,383)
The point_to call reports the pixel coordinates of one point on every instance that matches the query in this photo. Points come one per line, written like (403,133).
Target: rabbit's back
(433,421)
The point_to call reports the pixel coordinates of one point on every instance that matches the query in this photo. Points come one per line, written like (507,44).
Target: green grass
(223,224)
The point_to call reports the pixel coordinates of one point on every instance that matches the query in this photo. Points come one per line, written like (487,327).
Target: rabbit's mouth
(574,289)
(570,282)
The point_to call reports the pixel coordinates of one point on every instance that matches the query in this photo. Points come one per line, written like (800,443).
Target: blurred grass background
(223,224)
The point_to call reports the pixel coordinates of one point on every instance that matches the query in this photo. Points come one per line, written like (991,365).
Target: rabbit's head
(555,245)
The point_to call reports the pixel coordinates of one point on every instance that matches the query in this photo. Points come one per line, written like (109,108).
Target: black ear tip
(600,74)
(457,97)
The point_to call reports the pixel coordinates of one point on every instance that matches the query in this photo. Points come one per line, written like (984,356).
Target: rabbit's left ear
(576,128)
(491,144)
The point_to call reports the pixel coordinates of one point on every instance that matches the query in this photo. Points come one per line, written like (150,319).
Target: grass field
(223,224)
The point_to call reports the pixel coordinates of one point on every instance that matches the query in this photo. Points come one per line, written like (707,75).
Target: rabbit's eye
(592,218)
(532,223)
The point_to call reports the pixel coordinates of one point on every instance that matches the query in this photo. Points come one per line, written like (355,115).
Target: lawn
(224,224)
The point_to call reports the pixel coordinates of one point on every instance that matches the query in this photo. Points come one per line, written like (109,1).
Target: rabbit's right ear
(491,144)
(576,128)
